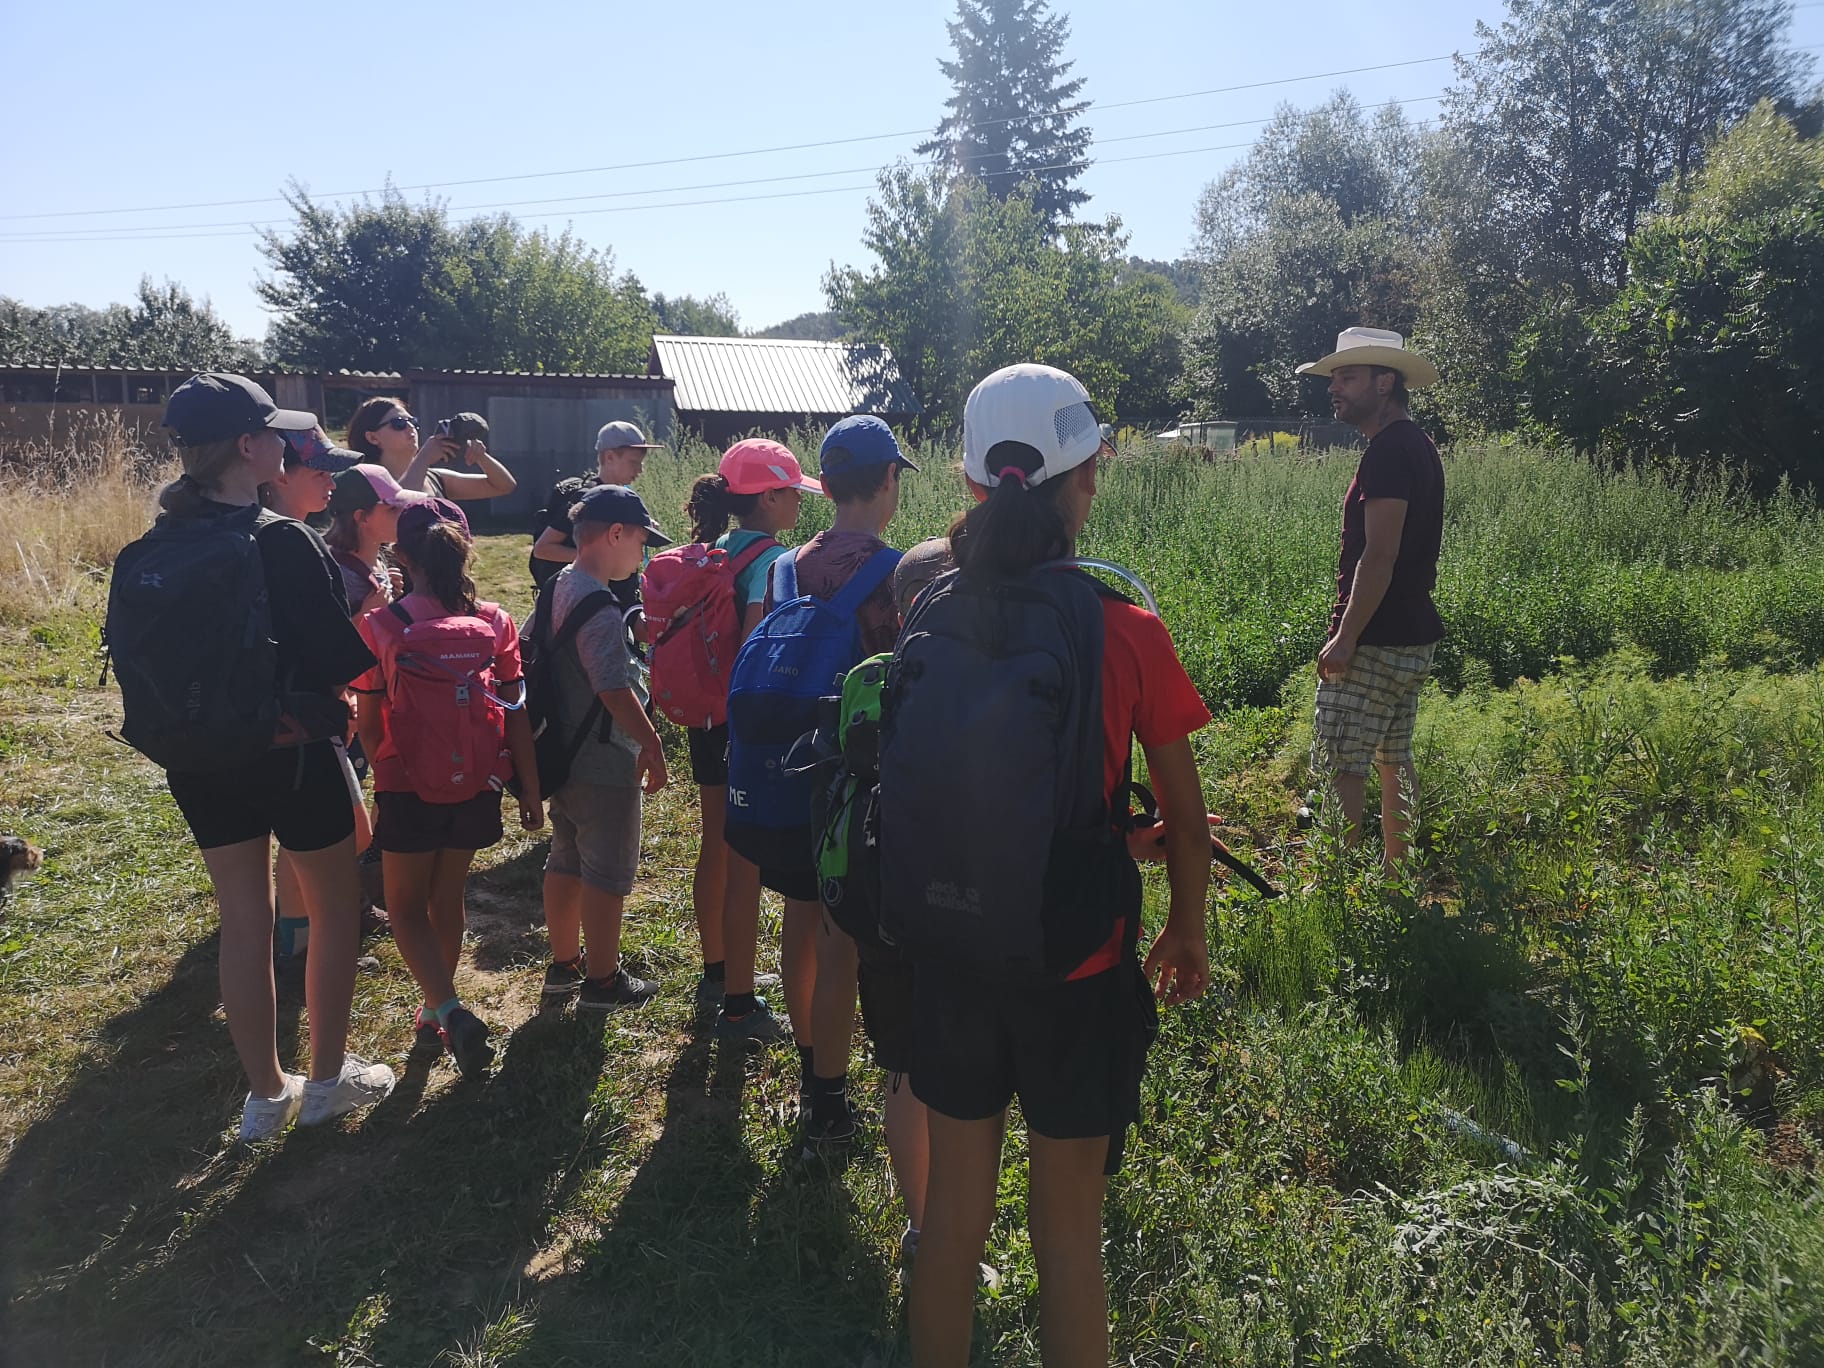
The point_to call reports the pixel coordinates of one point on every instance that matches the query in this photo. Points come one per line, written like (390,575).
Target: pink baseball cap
(368,486)
(757,464)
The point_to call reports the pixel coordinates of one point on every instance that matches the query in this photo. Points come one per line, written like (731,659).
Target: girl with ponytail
(759,486)
(448,681)
(1071,1048)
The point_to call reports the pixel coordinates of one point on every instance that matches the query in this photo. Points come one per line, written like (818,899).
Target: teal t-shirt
(750,584)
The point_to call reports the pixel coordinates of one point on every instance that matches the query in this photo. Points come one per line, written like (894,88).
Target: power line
(723,156)
(154,231)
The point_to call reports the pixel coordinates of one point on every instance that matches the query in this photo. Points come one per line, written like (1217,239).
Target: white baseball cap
(1031,419)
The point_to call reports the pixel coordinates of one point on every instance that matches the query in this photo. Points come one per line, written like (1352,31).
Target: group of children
(441,715)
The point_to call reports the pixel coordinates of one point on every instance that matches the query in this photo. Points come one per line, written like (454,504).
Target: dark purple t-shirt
(826,562)
(1400,463)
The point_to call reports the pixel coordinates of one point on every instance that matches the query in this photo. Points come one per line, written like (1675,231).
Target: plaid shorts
(1366,716)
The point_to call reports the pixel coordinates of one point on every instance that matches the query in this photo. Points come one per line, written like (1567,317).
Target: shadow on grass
(721,1250)
(134,1234)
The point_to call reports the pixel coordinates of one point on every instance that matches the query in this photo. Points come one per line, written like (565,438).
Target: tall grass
(66,509)
(1545,556)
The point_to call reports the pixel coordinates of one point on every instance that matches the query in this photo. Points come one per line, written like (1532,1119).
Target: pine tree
(1013,114)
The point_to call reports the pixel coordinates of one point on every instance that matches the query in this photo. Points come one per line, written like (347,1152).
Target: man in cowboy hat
(1384,628)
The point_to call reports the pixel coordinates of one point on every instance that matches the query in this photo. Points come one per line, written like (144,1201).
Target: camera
(464,428)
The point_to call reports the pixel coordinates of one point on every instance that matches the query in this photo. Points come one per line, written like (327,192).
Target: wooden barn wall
(540,431)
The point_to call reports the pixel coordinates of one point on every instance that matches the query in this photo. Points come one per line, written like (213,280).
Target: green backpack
(846,812)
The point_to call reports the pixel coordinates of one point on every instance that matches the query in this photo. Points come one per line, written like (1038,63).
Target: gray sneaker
(761,1026)
(615,994)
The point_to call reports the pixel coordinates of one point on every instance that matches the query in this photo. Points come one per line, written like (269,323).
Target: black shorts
(887,1007)
(708,755)
(1073,1053)
(407,825)
(297,793)
(784,855)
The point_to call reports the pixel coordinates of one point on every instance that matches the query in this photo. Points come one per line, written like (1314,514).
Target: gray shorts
(595,835)
(1366,716)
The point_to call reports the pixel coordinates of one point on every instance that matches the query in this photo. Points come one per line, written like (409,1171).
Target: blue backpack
(799,653)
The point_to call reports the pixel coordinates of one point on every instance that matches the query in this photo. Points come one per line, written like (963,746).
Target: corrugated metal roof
(784,376)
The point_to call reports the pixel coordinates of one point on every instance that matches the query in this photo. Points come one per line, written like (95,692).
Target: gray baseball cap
(614,436)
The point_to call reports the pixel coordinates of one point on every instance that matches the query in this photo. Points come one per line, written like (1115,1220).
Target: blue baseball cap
(861,440)
(618,504)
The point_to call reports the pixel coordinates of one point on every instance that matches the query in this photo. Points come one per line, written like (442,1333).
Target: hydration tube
(1120,572)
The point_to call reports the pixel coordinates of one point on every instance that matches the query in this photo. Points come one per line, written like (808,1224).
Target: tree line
(1612,234)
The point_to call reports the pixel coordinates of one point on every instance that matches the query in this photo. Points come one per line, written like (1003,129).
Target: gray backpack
(999,855)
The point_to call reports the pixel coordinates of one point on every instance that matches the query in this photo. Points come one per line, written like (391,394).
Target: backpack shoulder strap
(785,579)
(397,609)
(585,608)
(750,554)
(874,570)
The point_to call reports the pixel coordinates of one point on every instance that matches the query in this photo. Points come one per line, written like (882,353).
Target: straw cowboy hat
(1375,347)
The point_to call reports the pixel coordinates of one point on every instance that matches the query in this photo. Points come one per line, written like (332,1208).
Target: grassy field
(1558,1098)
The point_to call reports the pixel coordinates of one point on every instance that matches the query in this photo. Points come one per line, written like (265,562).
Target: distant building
(728,387)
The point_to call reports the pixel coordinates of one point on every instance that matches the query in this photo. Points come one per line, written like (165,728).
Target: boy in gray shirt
(595,816)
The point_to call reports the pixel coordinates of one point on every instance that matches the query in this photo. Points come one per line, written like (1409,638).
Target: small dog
(17,856)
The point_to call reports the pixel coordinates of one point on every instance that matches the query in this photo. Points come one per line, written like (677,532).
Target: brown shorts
(1365,718)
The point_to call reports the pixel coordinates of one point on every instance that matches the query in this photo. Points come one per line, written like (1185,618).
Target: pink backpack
(444,719)
(694,623)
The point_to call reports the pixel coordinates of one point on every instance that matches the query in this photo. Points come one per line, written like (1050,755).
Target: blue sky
(109,108)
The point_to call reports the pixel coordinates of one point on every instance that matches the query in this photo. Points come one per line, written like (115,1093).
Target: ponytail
(1012,530)
(711,507)
(438,557)
(204,466)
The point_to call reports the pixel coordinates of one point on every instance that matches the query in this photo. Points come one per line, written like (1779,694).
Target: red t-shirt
(381,630)
(1146,696)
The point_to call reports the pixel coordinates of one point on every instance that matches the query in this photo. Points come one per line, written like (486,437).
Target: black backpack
(189,637)
(555,741)
(998,852)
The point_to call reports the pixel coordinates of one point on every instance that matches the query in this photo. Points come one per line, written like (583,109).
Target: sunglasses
(401,423)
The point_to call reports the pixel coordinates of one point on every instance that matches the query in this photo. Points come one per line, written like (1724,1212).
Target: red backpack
(695,627)
(444,719)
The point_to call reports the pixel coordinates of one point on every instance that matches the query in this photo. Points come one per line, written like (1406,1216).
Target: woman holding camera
(385,433)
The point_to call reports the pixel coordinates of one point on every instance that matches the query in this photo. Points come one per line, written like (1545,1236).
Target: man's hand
(1147,844)
(653,776)
(1333,660)
(531,814)
(473,450)
(1178,965)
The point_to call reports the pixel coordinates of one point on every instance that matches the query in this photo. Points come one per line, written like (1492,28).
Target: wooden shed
(543,425)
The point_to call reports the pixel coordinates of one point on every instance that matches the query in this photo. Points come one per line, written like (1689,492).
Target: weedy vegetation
(1556,1095)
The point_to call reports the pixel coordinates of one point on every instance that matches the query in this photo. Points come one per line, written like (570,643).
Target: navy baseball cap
(314,451)
(861,440)
(618,504)
(213,407)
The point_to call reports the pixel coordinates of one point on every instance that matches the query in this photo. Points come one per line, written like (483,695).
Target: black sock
(739,1004)
(806,1074)
(829,1097)
(715,971)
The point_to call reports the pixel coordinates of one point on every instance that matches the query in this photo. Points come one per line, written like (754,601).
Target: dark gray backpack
(999,854)
(189,636)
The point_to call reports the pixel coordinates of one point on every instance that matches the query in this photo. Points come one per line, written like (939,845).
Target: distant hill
(815,327)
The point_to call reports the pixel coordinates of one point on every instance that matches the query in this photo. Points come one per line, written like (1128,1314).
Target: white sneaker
(360,1084)
(264,1117)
